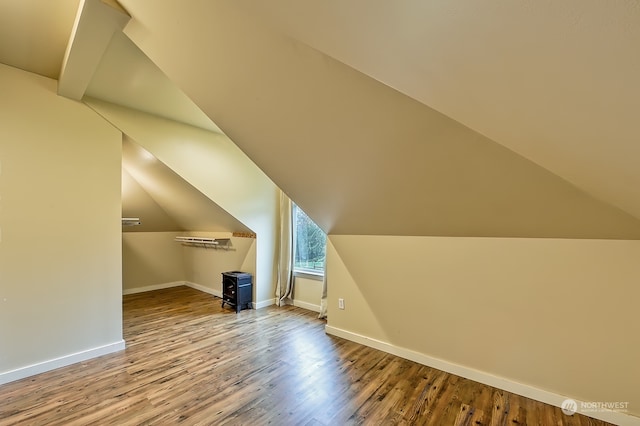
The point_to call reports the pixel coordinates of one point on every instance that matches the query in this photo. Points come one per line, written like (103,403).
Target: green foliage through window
(309,245)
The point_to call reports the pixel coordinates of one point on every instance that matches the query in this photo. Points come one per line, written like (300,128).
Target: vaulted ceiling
(163,200)
(34,34)
(497,118)
(556,82)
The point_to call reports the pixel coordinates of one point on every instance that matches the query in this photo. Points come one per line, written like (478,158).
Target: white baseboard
(204,289)
(263,303)
(63,361)
(152,287)
(306,305)
(217,293)
(615,417)
(200,287)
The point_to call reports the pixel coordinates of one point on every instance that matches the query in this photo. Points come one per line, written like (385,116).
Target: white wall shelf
(130,221)
(215,243)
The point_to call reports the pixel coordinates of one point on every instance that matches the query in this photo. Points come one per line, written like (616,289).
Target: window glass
(309,244)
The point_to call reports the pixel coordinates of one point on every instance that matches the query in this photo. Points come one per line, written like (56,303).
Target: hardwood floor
(191,362)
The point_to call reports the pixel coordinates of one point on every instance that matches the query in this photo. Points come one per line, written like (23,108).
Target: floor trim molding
(218,293)
(263,303)
(306,305)
(200,287)
(63,361)
(152,287)
(615,417)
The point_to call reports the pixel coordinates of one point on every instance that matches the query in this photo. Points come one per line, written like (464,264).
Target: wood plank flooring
(188,361)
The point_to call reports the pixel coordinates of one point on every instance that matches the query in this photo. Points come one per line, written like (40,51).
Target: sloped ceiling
(137,203)
(125,76)
(163,200)
(34,34)
(556,82)
(358,156)
(497,118)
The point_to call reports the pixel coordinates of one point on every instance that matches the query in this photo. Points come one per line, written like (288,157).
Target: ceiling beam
(95,24)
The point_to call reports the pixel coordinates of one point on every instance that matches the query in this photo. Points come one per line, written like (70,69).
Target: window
(309,244)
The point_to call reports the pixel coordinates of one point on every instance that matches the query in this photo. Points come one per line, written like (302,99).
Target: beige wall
(155,258)
(60,248)
(151,258)
(558,315)
(136,202)
(217,168)
(205,266)
(250,260)
(307,292)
